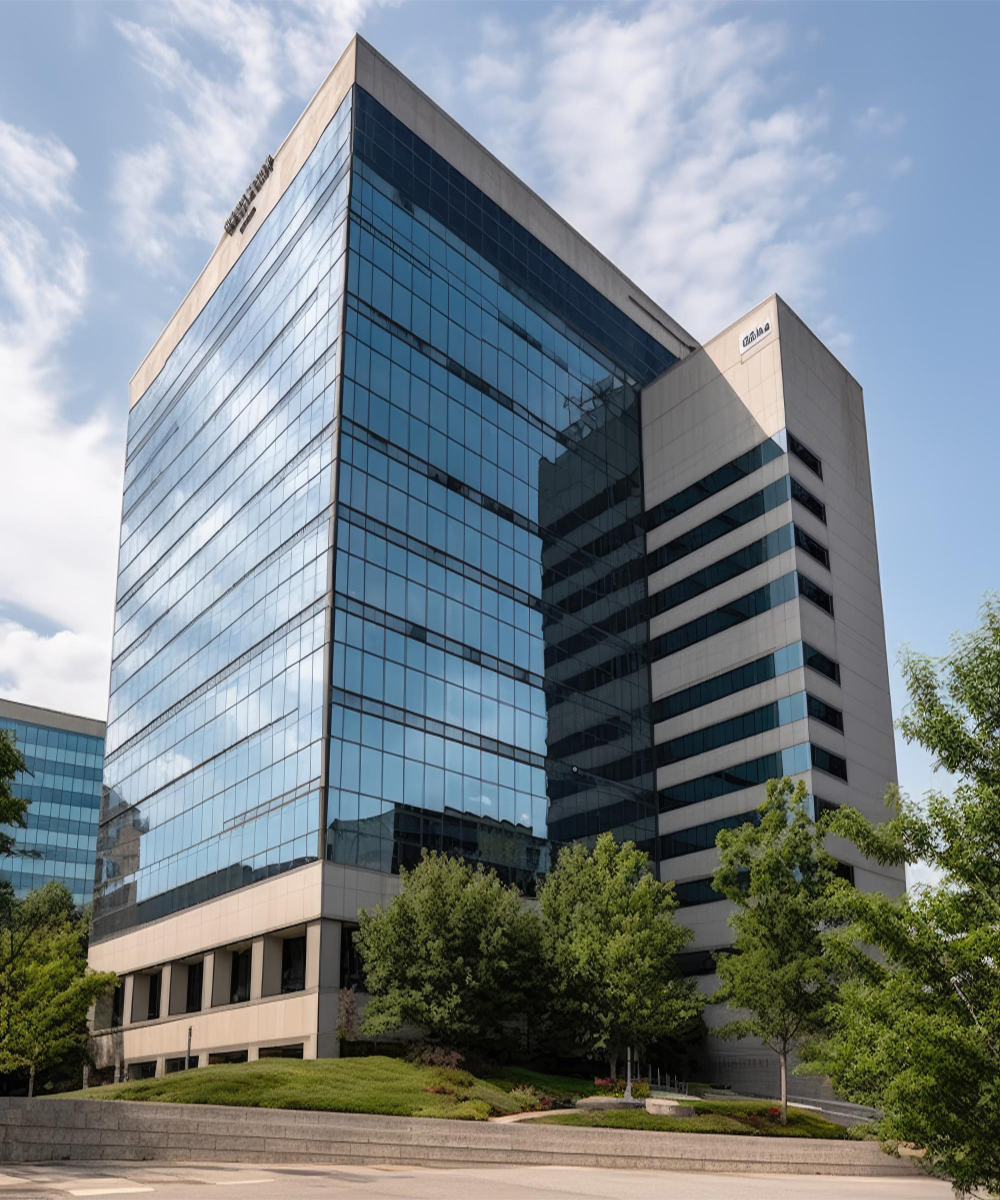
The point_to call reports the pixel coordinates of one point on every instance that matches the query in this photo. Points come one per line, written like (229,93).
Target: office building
(63,755)
(767,644)
(385,567)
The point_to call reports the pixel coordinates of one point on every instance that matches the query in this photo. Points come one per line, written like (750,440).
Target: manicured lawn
(397,1088)
(365,1085)
(724,1116)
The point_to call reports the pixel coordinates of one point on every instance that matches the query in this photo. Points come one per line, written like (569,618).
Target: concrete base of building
(121,1131)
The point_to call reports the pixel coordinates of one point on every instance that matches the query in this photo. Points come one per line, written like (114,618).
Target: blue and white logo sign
(756,333)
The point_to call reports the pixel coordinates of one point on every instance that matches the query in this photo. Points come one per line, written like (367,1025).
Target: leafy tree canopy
(455,953)
(610,943)
(916,1028)
(781,879)
(45,986)
(12,808)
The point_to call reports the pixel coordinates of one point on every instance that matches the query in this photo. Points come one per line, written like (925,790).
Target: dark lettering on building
(239,218)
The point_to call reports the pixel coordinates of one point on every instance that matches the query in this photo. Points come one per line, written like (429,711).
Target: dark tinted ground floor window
(153,1008)
(173,1065)
(118,1006)
(196,977)
(227,1056)
(239,977)
(350,960)
(696,962)
(142,1070)
(281,1051)
(293,964)
(846,871)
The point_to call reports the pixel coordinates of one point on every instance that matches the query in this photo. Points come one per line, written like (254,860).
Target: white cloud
(663,135)
(876,120)
(222,72)
(67,672)
(36,170)
(62,479)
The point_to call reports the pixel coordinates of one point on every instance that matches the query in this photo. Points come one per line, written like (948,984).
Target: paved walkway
(287,1182)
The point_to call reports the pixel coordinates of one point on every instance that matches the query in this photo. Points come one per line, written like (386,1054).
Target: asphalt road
(177,1182)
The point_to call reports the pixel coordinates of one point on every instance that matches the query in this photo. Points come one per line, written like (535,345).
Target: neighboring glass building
(63,755)
(384,578)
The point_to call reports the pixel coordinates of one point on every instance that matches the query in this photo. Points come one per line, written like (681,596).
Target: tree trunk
(784,1087)
(614,1067)
(31,1081)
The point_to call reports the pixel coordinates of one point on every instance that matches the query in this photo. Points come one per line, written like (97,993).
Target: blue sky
(843,155)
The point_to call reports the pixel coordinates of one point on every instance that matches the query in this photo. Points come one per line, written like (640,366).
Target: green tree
(455,953)
(916,1028)
(610,944)
(48,989)
(781,880)
(13,810)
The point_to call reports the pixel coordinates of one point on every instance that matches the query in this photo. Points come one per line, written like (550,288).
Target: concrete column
(328,934)
(176,996)
(127,998)
(253,1053)
(221,973)
(207,980)
(140,998)
(166,977)
(270,982)
(257,968)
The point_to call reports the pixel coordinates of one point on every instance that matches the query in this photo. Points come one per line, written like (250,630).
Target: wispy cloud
(691,170)
(62,479)
(222,72)
(876,120)
(35,169)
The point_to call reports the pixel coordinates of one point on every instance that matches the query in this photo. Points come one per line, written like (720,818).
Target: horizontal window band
(793,761)
(773,544)
(716,481)
(734,729)
(805,455)
(735,517)
(749,724)
(702,837)
(743,608)
(786,659)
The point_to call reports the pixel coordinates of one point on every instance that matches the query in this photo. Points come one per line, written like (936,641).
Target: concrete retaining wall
(129,1131)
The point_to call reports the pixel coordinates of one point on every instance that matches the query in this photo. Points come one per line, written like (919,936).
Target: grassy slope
(727,1116)
(367,1085)
(398,1088)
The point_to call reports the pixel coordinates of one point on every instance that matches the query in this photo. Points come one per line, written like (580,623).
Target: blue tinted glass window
(489,682)
(716,481)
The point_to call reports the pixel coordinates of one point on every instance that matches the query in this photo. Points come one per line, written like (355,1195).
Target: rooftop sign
(242,210)
(756,333)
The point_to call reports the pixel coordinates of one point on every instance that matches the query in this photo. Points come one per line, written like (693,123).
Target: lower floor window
(281,1051)
(227,1056)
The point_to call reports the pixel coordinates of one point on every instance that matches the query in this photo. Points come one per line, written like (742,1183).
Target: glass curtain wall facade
(63,784)
(407,612)
(490,692)
(213,767)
